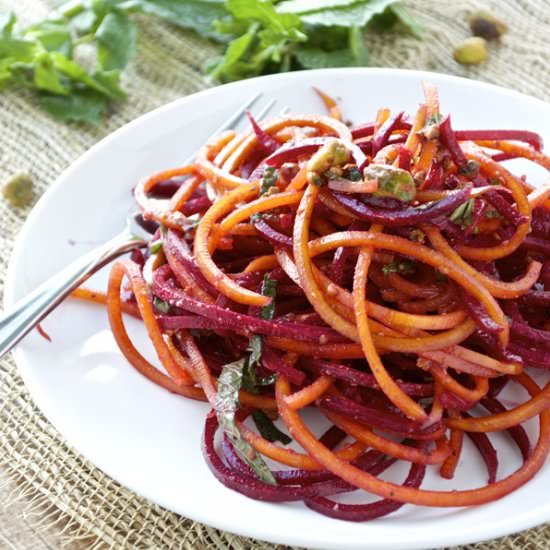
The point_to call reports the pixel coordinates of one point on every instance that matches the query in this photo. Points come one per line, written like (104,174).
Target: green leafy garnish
(258,36)
(155,247)
(269,289)
(392,181)
(227,404)
(269,179)
(403,267)
(469,168)
(161,305)
(250,379)
(267,428)
(463,215)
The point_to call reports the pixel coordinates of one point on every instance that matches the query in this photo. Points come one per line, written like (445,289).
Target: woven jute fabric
(50,485)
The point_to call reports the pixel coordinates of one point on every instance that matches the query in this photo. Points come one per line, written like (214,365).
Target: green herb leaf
(227,404)
(85,106)
(155,247)
(406,21)
(264,12)
(336,13)
(267,428)
(116,37)
(161,305)
(52,35)
(269,288)
(230,66)
(46,77)
(255,349)
(198,15)
(7,22)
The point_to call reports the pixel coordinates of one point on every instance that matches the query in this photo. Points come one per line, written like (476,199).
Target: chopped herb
(160,305)
(267,428)
(227,404)
(155,247)
(255,349)
(392,181)
(463,214)
(269,179)
(470,168)
(354,174)
(269,288)
(404,267)
(494,181)
(250,379)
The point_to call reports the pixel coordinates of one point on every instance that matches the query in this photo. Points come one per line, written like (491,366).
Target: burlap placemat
(52,486)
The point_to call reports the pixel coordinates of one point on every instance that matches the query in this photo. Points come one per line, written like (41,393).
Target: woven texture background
(48,484)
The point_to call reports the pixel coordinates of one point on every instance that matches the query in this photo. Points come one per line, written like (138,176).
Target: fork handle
(29,311)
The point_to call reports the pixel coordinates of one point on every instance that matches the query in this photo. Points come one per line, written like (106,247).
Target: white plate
(148,439)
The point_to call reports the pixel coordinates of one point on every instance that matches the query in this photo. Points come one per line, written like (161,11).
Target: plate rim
(520,521)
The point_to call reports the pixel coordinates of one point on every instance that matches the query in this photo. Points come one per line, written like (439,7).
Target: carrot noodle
(389,278)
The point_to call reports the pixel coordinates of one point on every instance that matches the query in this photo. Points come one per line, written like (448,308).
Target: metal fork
(30,310)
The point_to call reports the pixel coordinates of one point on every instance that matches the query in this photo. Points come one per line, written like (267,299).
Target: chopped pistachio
(18,191)
(332,153)
(485,24)
(269,179)
(392,181)
(404,267)
(472,51)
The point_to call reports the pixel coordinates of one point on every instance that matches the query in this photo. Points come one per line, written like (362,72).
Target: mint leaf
(345,14)
(7,22)
(116,37)
(197,15)
(267,428)
(227,404)
(406,21)
(46,77)
(264,12)
(228,67)
(110,82)
(307,6)
(317,58)
(80,106)
(52,35)
(269,288)
(17,50)
(357,46)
